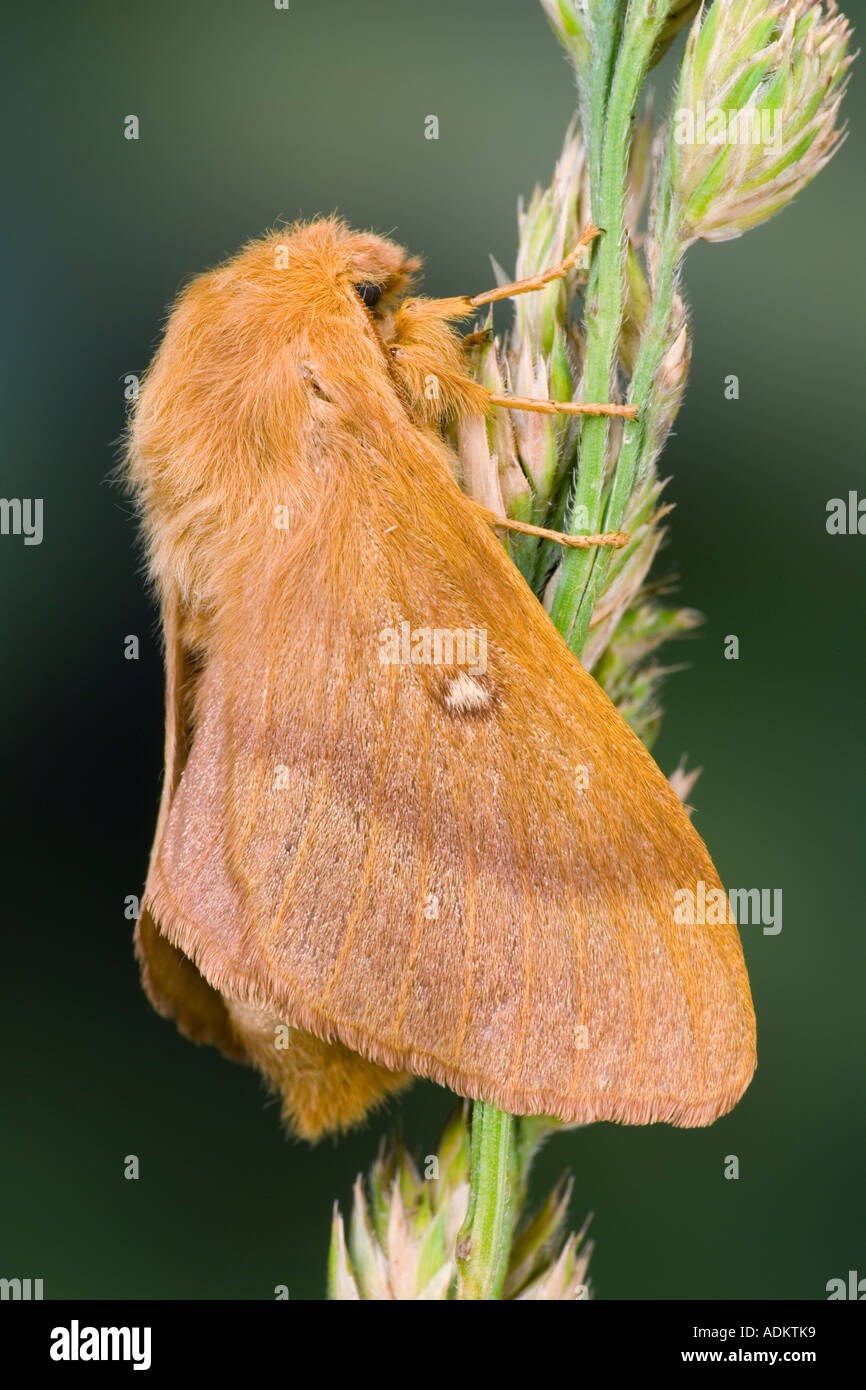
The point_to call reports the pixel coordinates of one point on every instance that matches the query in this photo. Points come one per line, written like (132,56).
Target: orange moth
(368,867)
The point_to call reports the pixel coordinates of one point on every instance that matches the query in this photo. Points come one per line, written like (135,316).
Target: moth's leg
(628,412)
(477,338)
(427,356)
(537,282)
(461,306)
(428,359)
(615,539)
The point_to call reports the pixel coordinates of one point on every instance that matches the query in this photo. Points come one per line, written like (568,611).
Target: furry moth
(364,868)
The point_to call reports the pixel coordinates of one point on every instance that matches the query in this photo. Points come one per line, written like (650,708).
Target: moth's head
(255,349)
(293,277)
(318,283)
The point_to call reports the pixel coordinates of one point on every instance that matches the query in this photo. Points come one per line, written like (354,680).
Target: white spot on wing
(465,695)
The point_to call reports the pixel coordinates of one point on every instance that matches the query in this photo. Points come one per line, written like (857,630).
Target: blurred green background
(249,115)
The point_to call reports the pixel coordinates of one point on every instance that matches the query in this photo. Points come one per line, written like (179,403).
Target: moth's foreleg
(537,282)
(427,354)
(462,305)
(427,357)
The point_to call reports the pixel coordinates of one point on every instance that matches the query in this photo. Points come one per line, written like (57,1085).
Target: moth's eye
(369,294)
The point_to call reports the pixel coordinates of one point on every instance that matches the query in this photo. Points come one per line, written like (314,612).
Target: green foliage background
(249,115)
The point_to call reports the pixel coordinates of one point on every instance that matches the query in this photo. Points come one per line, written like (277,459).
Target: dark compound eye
(370,294)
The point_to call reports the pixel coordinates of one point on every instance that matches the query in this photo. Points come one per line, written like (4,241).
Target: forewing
(466,873)
(171,981)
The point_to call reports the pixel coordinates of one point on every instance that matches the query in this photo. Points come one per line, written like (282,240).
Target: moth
(366,870)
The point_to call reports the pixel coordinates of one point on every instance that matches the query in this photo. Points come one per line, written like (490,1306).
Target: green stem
(639,439)
(484,1243)
(606,300)
(595,74)
(501,1155)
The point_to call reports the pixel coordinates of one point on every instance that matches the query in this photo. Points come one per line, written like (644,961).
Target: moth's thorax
(280,405)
